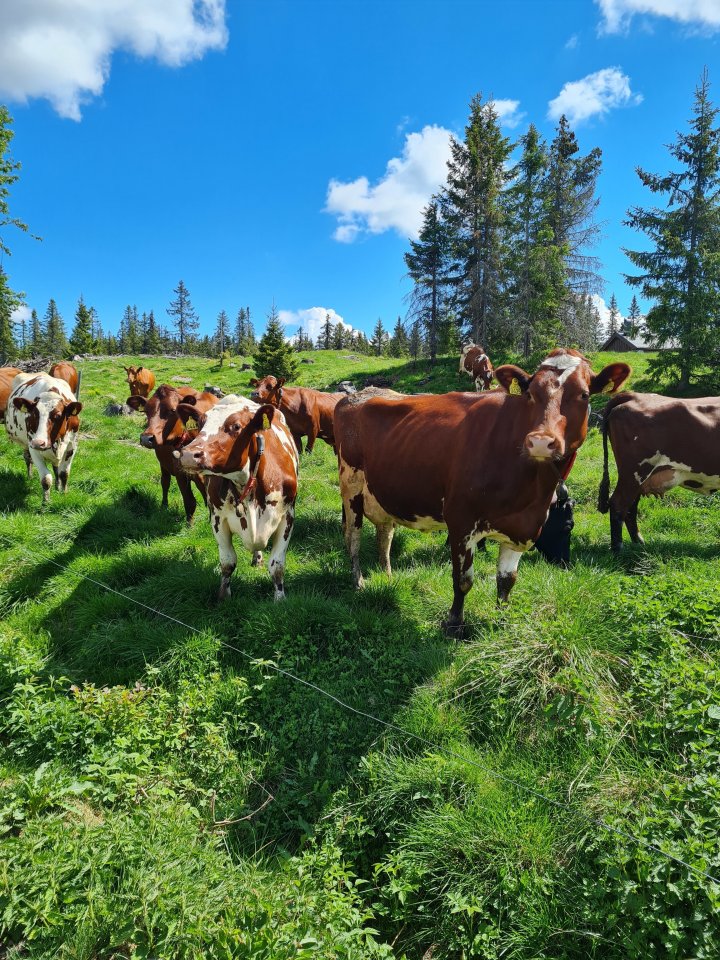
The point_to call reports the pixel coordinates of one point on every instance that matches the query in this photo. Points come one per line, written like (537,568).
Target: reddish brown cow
(476,363)
(166,432)
(309,413)
(67,372)
(659,443)
(481,466)
(7,375)
(140,380)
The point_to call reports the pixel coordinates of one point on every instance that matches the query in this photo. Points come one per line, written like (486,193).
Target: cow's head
(48,418)
(165,420)
(553,402)
(133,379)
(267,390)
(482,371)
(230,449)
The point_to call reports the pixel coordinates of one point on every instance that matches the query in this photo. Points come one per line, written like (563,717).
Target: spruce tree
(681,271)
(240,332)
(55,339)
(9,175)
(398,345)
(274,355)
(250,338)
(184,317)
(472,206)
(613,316)
(81,339)
(379,340)
(151,341)
(37,338)
(8,302)
(631,326)
(428,263)
(324,341)
(415,341)
(339,339)
(221,338)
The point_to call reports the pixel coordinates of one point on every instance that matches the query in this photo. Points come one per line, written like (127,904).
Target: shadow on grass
(16,490)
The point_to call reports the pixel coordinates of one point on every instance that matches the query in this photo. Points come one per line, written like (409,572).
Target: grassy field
(128,740)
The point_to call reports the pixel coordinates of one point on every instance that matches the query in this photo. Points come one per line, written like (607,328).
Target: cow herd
(486,465)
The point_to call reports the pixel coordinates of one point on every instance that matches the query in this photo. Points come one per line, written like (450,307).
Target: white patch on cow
(503,539)
(565,363)
(508,559)
(665,473)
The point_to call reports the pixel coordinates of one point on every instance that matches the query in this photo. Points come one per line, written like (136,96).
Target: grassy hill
(167,793)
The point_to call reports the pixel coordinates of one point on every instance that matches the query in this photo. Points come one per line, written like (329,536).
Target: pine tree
(274,355)
(631,326)
(55,339)
(379,340)
(221,338)
(37,338)
(81,339)
(8,302)
(184,317)
(97,331)
(324,341)
(428,264)
(152,342)
(613,316)
(250,338)
(398,345)
(472,206)
(23,337)
(339,340)
(415,342)
(681,273)
(240,331)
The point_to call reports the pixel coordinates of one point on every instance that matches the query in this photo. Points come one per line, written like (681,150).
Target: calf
(67,372)
(247,453)
(42,416)
(480,466)
(476,363)
(165,433)
(7,375)
(308,413)
(140,380)
(659,443)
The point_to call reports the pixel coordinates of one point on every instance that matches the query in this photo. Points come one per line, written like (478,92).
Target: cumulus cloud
(394,202)
(61,50)
(617,14)
(508,113)
(604,310)
(597,93)
(310,320)
(21,313)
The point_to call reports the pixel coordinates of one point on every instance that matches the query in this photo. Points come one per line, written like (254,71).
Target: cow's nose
(542,445)
(39,444)
(255,397)
(146,440)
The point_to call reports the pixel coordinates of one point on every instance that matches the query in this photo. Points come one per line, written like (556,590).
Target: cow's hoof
(453,629)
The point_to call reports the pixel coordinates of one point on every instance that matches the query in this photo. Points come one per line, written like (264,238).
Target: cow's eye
(585,395)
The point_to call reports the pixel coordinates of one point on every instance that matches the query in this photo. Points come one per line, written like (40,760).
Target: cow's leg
(189,502)
(298,442)
(28,462)
(280,543)
(351,490)
(55,474)
(46,477)
(199,482)
(165,480)
(64,469)
(462,552)
(508,560)
(632,524)
(624,495)
(228,557)
(385,533)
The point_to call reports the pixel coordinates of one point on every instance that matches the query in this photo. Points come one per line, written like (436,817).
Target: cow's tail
(603,503)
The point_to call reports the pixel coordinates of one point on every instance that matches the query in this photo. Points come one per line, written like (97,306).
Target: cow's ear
(512,379)
(254,382)
(139,369)
(263,417)
(22,403)
(187,410)
(126,369)
(136,403)
(72,409)
(281,382)
(190,399)
(610,379)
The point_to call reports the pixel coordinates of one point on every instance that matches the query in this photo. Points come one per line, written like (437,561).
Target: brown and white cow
(166,432)
(308,413)
(481,466)
(7,375)
(42,416)
(67,372)
(659,443)
(140,380)
(248,456)
(476,363)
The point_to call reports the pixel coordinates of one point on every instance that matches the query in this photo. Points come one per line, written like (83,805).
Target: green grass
(125,737)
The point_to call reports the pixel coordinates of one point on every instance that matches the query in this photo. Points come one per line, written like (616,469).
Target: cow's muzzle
(543,446)
(39,444)
(147,440)
(255,396)
(191,461)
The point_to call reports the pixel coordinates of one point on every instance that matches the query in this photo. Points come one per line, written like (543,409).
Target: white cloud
(617,14)
(507,111)
(311,320)
(604,310)
(595,94)
(572,42)
(61,50)
(396,201)
(21,313)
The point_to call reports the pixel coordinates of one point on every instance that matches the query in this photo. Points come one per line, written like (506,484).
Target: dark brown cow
(140,380)
(251,463)
(481,466)
(476,363)
(659,443)
(7,375)
(166,432)
(309,413)
(67,372)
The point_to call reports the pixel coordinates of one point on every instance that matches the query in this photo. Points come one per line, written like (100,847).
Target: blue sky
(267,149)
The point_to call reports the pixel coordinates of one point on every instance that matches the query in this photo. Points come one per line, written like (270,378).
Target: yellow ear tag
(608,388)
(515,389)
(266,422)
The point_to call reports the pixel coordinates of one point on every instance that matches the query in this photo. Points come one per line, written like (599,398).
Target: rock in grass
(118,410)
(181,379)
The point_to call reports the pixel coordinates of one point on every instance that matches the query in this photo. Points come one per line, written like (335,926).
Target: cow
(7,375)
(247,453)
(67,372)
(479,466)
(42,416)
(476,363)
(554,541)
(308,413)
(166,432)
(659,443)
(140,380)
